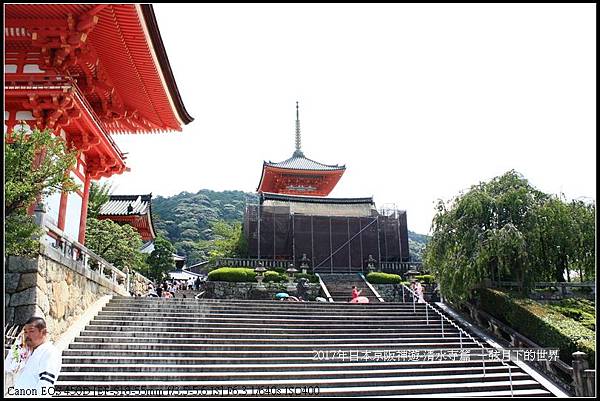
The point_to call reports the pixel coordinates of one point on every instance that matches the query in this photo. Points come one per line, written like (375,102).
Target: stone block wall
(139,284)
(393,292)
(52,286)
(227,290)
(390,292)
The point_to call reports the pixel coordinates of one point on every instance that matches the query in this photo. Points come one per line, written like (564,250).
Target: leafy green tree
(99,195)
(506,229)
(115,243)
(229,241)
(567,237)
(36,163)
(160,261)
(584,259)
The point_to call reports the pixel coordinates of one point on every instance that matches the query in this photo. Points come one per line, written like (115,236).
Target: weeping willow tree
(507,230)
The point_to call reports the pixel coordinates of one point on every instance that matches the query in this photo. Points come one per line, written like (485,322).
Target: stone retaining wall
(138,284)
(54,287)
(227,290)
(393,292)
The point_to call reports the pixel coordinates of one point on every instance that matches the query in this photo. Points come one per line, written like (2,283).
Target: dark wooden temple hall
(294,218)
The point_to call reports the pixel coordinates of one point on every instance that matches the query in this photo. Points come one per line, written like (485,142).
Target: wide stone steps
(270,362)
(315,320)
(231,352)
(270,346)
(325,324)
(346,368)
(340,287)
(191,312)
(177,346)
(312,378)
(275,341)
(174,303)
(299,314)
(333,387)
(300,336)
(263,329)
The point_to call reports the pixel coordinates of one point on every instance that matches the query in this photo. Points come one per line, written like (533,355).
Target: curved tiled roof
(313,199)
(302,163)
(130,50)
(120,205)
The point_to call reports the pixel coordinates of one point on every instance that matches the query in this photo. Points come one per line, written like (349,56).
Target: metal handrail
(324,287)
(460,330)
(373,290)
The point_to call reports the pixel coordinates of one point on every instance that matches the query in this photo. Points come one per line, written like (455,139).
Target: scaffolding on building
(333,243)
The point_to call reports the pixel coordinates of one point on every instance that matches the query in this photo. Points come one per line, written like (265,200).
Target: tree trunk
(561,267)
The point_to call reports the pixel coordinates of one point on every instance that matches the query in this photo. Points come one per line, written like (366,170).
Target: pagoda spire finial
(298,152)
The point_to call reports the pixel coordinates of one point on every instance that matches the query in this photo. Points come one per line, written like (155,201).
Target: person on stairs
(33,360)
(355,292)
(419,292)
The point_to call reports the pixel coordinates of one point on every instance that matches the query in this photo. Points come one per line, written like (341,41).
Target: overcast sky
(418,101)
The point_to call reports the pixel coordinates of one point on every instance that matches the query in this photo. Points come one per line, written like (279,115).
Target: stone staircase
(183,346)
(340,287)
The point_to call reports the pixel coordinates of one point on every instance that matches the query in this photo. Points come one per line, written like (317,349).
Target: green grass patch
(580,310)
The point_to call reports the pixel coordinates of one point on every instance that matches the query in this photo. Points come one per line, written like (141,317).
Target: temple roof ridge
(126,205)
(302,162)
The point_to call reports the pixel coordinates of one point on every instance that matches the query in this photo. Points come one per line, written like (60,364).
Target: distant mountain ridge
(185,219)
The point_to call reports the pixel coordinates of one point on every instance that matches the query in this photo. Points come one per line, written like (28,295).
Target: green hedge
(311,277)
(426,279)
(540,323)
(233,274)
(274,277)
(248,275)
(383,278)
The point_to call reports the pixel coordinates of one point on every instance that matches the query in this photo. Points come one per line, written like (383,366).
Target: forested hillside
(188,220)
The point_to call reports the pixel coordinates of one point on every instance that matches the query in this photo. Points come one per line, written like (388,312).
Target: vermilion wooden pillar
(62,212)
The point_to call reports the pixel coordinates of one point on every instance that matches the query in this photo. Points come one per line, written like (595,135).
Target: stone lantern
(260,276)
(304,263)
(410,275)
(371,264)
(290,273)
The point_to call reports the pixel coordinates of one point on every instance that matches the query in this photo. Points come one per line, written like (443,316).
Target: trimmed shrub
(426,278)
(233,274)
(274,277)
(541,324)
(383,278)
(311,277)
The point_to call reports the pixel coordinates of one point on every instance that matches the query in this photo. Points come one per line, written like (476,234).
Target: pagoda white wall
(73,213)
(52,206)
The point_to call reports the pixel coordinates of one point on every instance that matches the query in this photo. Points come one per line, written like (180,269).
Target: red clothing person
(355,292)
